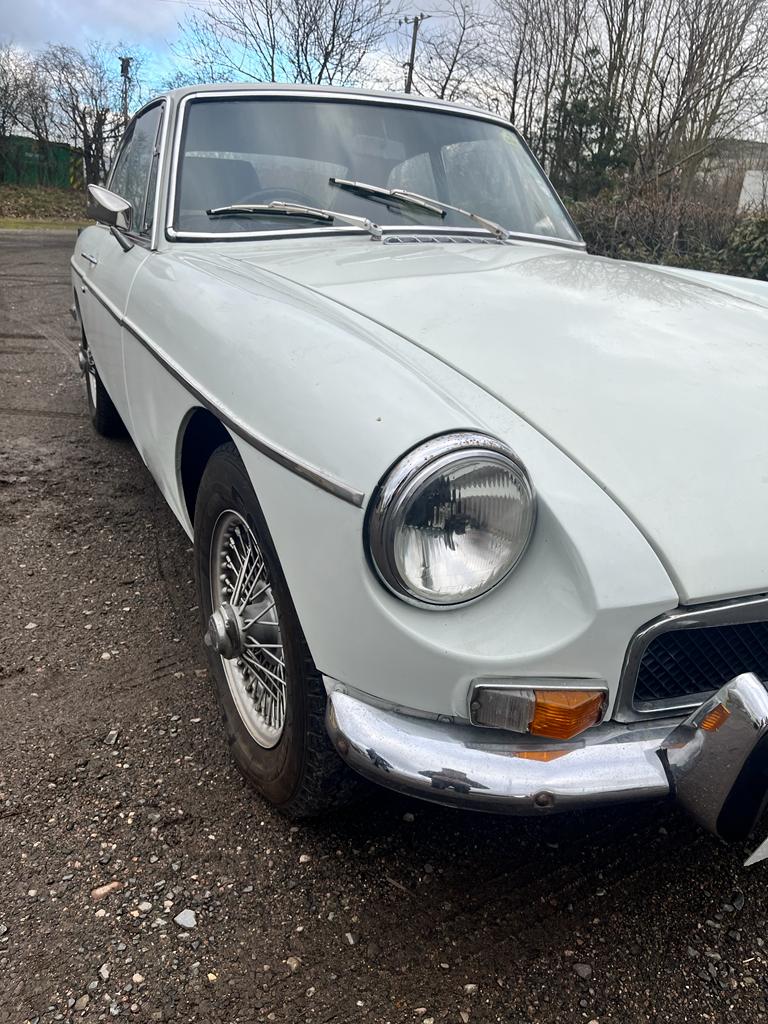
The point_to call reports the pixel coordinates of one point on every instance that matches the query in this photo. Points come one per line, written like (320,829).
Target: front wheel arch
(200,435)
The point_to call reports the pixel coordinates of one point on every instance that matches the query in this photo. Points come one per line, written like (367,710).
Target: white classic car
(476,514)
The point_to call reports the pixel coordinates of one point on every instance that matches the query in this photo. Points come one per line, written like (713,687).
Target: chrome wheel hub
(244,629)
(225,633)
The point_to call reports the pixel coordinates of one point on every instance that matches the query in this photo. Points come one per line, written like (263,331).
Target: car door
(109,266)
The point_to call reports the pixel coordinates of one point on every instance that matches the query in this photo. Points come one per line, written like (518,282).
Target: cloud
(31,24)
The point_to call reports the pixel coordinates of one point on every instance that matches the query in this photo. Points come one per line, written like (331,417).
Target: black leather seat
(208,181)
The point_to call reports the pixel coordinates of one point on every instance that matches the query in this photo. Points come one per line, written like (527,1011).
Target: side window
(136,170)
(116,179)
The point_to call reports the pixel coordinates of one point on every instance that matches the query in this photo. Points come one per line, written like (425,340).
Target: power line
(416,20)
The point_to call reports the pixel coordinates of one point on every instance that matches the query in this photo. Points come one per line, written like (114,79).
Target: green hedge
(698,235)
(747,250)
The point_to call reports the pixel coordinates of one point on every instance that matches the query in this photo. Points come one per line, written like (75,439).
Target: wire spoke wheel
(244,628)
(271,695)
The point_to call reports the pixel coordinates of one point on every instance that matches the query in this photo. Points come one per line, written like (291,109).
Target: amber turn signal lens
(540,755)
(717,716)
(560,714)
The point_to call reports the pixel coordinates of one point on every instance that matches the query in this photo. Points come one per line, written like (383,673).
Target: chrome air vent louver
(459,239)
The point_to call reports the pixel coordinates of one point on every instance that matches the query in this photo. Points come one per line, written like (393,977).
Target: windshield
(257,150)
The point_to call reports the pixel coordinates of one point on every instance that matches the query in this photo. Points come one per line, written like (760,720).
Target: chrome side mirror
(108,208)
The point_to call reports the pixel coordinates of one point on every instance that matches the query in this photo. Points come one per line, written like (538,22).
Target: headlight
(451,519)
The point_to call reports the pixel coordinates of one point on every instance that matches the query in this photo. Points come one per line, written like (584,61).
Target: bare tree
(77,99)
(12,88)
(644,85)
(308,41)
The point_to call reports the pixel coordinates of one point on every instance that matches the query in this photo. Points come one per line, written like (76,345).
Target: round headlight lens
(451,520)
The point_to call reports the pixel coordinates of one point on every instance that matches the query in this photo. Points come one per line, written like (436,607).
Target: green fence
(24,161)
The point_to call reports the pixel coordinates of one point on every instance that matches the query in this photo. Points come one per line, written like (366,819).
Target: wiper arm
(424,202)
(294,210)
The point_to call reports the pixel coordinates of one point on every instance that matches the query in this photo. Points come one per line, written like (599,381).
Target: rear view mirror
(108,208)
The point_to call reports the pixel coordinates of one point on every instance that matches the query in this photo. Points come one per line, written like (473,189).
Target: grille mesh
(684,662)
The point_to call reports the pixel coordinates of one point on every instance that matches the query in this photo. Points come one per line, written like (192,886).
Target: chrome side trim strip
(281,456)
(98,294)
(721,613)
(308,472)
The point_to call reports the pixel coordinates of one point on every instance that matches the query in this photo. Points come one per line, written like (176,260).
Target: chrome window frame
(172,235)
(154,163)
(150,239)
(721,613)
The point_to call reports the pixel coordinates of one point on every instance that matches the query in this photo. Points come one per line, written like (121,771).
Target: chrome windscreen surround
(182,99)
(721,613)
(455,445)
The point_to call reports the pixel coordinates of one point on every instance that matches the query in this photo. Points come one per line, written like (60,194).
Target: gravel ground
(140,878)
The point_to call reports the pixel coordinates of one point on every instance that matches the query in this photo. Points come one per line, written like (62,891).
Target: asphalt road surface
(114,773)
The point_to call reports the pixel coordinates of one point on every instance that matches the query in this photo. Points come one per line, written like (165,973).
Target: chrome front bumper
(720,774)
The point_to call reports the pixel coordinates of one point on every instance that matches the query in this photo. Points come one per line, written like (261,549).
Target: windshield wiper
(378,192)
(294,210)
(402,195)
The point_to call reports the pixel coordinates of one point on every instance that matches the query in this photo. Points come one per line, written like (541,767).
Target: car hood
(654,382)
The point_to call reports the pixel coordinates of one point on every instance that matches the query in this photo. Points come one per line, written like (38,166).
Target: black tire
(301,775)
(104,416)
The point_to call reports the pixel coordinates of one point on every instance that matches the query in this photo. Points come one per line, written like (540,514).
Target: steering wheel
(279,194)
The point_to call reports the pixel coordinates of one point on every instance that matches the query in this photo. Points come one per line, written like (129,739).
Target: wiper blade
(294,210)
(379,192)
(416,199)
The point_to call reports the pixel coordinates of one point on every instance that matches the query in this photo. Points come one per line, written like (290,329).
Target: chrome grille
(687,662)
(678,659)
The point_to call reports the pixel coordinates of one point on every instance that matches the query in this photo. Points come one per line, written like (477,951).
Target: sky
(151,24)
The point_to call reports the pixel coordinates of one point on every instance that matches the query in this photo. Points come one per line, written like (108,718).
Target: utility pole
(125,74)
(416,20)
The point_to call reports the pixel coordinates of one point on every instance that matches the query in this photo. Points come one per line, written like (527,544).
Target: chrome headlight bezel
(391,500)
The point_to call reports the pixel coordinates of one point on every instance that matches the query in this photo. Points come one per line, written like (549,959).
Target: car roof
(325,90)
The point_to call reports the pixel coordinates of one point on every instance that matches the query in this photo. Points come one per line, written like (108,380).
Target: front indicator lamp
(557,714)
(712,721)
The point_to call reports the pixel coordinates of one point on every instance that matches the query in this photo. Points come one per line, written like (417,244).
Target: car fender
(346,397)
